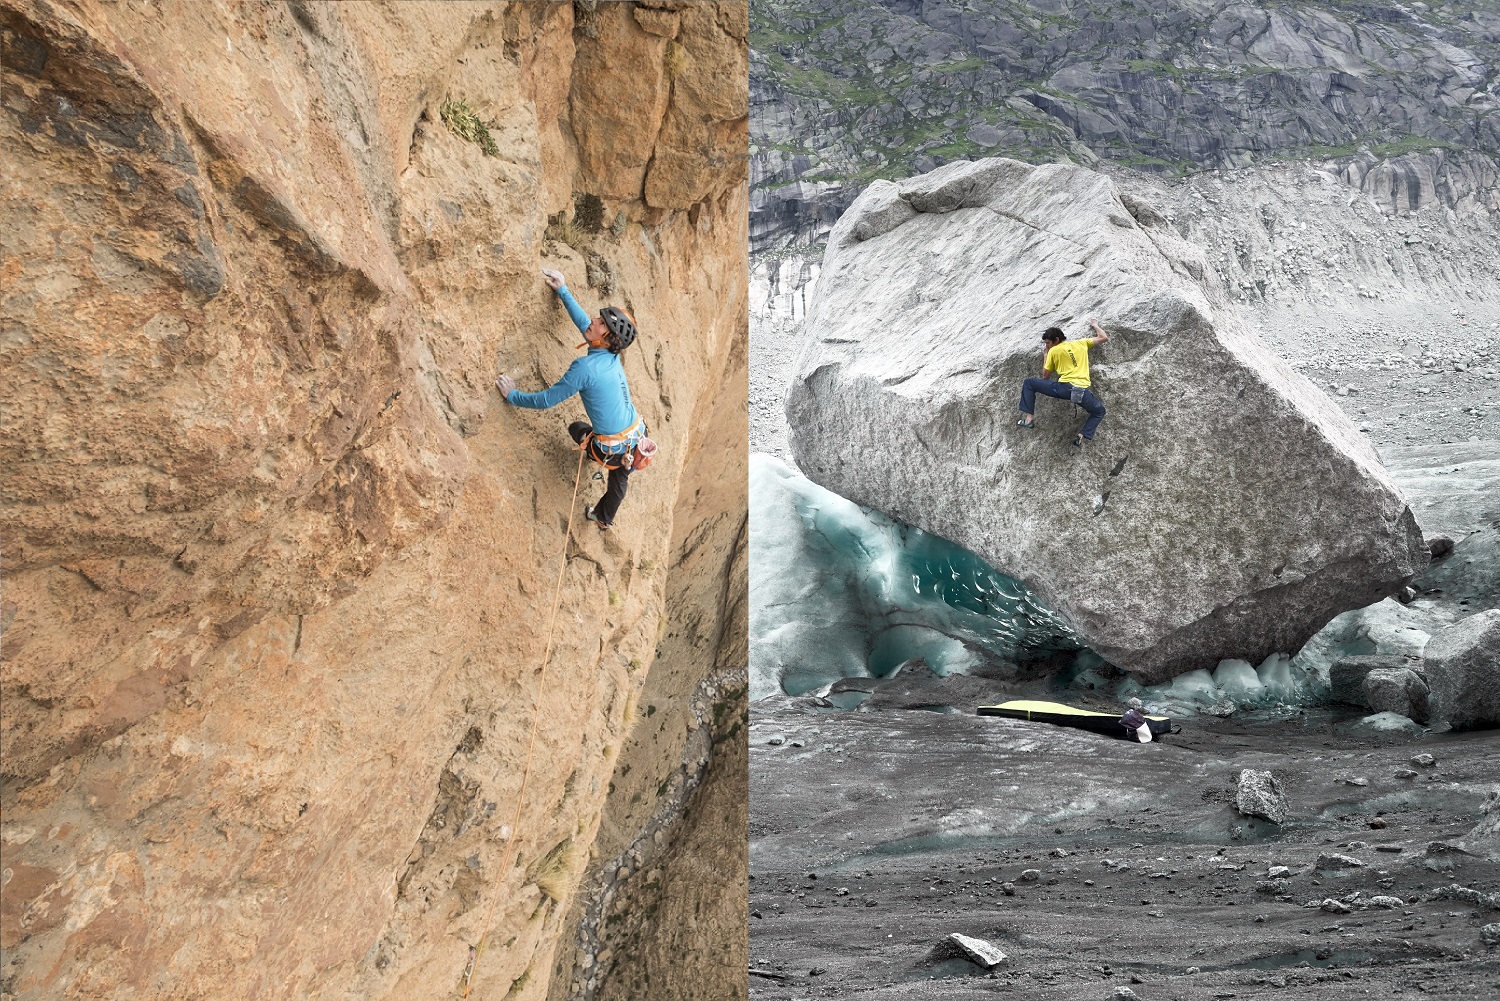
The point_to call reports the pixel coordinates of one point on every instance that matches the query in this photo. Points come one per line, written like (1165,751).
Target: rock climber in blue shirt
(614,429)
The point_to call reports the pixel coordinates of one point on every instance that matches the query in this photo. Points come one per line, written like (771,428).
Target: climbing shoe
(1022,422)
(588,512)
(1078,440)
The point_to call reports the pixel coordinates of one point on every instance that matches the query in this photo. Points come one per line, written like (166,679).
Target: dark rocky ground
(913,820)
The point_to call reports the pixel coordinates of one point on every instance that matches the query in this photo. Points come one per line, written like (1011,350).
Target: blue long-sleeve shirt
(598,378)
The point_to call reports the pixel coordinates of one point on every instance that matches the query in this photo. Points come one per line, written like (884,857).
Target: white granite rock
(1227,507)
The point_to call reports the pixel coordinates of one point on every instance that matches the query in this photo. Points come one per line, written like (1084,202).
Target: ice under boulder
(1233,684)
(1395,632)
(1463,669)
(1227,508)
(841,591)
(1389,724)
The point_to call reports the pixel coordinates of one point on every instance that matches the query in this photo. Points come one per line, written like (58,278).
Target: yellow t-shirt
(1070,360)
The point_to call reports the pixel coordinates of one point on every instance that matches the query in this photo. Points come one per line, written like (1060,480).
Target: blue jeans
(1063,391)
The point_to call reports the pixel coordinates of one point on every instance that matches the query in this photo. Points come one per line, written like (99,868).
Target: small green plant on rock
(464,122)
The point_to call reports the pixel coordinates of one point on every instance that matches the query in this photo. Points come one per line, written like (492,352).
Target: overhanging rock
(1227,508)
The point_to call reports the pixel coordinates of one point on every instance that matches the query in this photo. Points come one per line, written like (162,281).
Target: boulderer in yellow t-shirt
(1068,361)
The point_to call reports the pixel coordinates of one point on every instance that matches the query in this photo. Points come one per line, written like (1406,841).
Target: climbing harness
(637,453)
(515,824)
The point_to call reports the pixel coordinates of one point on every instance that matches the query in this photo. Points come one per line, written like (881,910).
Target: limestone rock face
(1226,509)
(1463,667)
(279,564)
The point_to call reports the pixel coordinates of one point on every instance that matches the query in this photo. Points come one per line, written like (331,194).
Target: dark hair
(1054,334)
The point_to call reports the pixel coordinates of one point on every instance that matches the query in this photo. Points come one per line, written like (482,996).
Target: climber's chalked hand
(554,278)
(505,384)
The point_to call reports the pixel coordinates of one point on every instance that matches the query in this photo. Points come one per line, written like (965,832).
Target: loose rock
(1396,690)
(1260,795)
(1336,861)
(978,950)
(1461,668)
(1346,676)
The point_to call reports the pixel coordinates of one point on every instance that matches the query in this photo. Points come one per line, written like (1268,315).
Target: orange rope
(515,825)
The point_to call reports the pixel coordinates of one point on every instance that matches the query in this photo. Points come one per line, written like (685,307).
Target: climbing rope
(515,824)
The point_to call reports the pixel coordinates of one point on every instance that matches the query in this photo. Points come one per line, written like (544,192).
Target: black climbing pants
(619,477)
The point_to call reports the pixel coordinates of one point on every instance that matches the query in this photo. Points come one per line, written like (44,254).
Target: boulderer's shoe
(1022,422)
(588,513)
(1078,440)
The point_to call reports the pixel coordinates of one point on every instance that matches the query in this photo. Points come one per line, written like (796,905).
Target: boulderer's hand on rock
(553,278)
(505,384)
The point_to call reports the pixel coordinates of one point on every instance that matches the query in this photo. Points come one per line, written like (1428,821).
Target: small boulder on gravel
(1396,690)
(1439,545)
(1461,670)
(1260,795)
(1334,861)
(976,950)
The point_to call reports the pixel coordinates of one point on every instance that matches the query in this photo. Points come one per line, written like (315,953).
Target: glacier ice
(841,591)
(1278,680)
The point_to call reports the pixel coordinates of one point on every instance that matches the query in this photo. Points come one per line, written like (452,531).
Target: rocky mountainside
(279,563)
(843,93)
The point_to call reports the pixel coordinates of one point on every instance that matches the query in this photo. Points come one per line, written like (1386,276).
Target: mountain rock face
(1227,507)
(847,92)
(280,565)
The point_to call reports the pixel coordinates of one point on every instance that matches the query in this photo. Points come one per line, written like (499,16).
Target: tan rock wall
(278,561)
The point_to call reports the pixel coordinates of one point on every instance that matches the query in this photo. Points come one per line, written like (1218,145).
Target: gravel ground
(1128,865)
